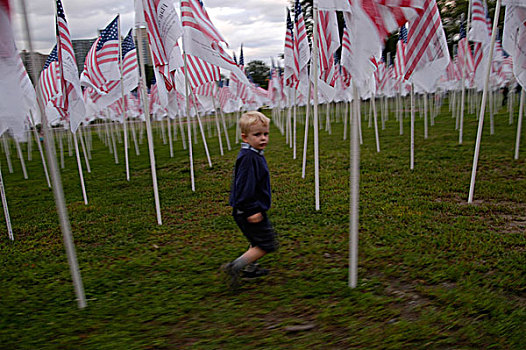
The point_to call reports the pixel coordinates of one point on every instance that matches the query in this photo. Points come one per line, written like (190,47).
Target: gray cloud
(258,24)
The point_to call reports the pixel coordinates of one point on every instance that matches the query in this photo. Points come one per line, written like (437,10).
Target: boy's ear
(243,137)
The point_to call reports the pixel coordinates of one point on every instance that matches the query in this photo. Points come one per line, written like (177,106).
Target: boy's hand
(254,219)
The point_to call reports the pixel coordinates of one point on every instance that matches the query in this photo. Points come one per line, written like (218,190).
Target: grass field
(434,272)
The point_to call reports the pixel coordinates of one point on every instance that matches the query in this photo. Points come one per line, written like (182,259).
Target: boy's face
(257,137)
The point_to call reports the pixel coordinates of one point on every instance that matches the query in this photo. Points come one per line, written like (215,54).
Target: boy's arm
(245,189)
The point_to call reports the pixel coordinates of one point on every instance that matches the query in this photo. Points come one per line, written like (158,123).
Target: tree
(259,72)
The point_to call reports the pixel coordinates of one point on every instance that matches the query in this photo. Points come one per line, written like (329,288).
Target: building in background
(39,58)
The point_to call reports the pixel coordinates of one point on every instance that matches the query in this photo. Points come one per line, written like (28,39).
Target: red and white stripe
(301,42)
(201,72)
(423,38)
(399,61)
(159,52)
(193,15)
(207,89)
(328,43)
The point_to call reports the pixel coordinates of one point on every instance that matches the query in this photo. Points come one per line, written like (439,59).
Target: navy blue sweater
(250,191)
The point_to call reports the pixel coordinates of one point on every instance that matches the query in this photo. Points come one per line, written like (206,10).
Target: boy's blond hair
(250,119)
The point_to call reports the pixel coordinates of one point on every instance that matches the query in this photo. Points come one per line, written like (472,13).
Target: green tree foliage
(259,72)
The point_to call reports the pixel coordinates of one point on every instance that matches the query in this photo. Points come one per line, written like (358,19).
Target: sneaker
(254,271)
(231,276)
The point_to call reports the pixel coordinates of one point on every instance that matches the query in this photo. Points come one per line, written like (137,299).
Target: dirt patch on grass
(410,300)
(514,224)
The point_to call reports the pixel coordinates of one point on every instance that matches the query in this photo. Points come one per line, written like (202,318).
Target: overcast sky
(257,24)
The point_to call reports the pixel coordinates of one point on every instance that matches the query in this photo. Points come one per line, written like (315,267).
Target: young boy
(250,198)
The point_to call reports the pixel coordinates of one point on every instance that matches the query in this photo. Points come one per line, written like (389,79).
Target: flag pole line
(123,101)
(58,190)
(21,156)
(142,54)
(39,145)
(79,164)
(375,117)
(412,151)
(519,126)
(192,178)
(6,208)
(315,123)
(466,47)
(483,105)
(355,191)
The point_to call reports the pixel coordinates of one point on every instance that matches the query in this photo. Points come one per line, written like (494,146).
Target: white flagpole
(187,97)
(123,100)
(134,135)
(376,125)
(29,145)
(316,129)
(412,161)
(84,149)
(202,130)
(21,156)
(142,54)
(425,116)
(466,48)
(79,164)
(294,126)
(58,134)
(400,112)
(58,191)
(355,192)
(170,140)
(307,117)
(37,140)
(519,126)
(483,104)
(6,209)
(218,127)
(7,153)
(225,128)
(345,120)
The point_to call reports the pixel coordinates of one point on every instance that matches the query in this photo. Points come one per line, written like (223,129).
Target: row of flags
(107,80)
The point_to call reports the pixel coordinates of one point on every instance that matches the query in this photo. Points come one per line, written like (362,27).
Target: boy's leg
(251,255)
(233,269)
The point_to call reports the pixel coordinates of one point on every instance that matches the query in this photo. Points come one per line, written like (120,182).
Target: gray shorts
(260,234)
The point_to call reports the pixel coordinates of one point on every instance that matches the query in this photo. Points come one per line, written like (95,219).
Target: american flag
(289,55)
(102,61)
(328,43)
(399,61)
(224,96)
(201,72)
(49,82)
(194,15)
(51,87)
(302,41)
(480,24)
(387,15)
(70,105)
(465,56)
(162,44)
(241,59)
(478,53)
(381,77)
(208,89)
(129,54)
(202,39)
(130,75)
(425,40)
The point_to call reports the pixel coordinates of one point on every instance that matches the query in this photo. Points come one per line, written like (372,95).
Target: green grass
(434,272)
